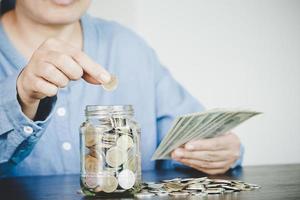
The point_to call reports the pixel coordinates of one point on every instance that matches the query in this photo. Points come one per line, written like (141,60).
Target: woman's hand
(52,66)
(211,156)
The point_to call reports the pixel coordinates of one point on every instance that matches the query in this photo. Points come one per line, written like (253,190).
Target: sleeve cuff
(17,119)
(239,162)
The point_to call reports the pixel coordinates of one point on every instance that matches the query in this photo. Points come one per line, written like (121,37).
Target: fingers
(210,156)
(53,75)
(212,144)
(94,70)
(65,64)
(42,87)
(204,164)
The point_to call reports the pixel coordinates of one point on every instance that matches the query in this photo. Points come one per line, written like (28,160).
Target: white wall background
(229,53)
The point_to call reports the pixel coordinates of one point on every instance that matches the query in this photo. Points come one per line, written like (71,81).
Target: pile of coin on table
(193,187)
(111,158)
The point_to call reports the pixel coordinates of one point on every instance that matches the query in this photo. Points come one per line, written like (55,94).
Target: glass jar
(110,152)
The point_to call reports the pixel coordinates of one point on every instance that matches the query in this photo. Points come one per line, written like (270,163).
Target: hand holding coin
(52,66)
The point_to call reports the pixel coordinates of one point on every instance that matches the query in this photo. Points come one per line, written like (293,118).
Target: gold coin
(115,156)
(92,164)
(112,84)
(90,136)
(95,151)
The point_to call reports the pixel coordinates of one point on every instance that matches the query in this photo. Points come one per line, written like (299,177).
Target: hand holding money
(52,66)
(199,140)
(211,156)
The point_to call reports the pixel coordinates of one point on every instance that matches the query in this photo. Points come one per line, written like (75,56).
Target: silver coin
(179,194)
(91,181)
(126,179)
(144,195)
(155,185)
(107,183)
(229,191)
(115,156)
(199,194)
(253,186)
(125,142)
(196,186)
(187,179)
(130,164)
(162,194)
(215,190)
(215,185)
(220,181)
(112,84)
(120,123)
(172,180)
(107,137)
(228,187)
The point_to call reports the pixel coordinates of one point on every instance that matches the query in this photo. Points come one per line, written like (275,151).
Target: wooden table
(277,181)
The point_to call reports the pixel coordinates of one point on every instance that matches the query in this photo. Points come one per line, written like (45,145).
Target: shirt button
(66,146)
(61,111)
(27,130)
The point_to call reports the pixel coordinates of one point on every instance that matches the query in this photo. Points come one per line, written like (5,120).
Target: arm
(174,100)
(18,133)
(27,97)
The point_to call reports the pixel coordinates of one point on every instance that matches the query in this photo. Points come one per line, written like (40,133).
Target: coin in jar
(91,181)
(115,156)
(97,152)
(92,164)
(90,136)
(112,84)
(107,183)
(130,164)
(125,142)
(109,137)
(126,179)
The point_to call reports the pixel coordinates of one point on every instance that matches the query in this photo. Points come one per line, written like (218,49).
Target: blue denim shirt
(51,144)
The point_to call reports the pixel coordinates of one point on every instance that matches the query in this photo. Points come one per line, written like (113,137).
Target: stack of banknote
(201,125)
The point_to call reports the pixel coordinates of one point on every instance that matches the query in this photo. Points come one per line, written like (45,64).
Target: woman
(53,57)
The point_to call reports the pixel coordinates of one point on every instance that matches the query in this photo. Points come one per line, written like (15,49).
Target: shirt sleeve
(173,100)
(18,133)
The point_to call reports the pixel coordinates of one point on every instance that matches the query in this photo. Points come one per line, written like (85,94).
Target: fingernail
(189,146)
(105,77)
(178,153)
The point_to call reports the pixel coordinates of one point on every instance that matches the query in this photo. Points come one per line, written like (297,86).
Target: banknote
(207,124)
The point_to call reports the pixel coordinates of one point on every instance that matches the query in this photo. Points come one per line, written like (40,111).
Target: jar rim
(92,110)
